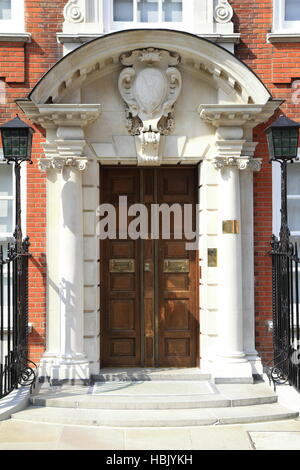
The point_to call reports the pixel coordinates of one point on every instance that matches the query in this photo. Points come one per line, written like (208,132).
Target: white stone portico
(216,103)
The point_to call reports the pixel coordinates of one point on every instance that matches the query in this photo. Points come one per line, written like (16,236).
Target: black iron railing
(286,313)
(15,368)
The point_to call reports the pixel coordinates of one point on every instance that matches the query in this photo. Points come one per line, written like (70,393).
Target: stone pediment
(102,56)
(150,80)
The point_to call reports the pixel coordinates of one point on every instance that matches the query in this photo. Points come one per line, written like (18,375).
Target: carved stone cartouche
(150,85)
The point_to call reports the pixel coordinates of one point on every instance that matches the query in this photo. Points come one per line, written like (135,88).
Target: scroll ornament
(223,12)
(242,163)
(58,163)
(73,12)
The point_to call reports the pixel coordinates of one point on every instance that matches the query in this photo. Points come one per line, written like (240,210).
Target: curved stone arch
(98,72)
(213,80)
(80,79)
(104,52)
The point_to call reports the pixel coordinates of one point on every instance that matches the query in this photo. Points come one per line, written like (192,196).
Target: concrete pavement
(276,435)
(21,435)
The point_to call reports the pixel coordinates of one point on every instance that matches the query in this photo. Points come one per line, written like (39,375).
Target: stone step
(154,395)
(150,374)
(156,418)
(150,403)
(134,403)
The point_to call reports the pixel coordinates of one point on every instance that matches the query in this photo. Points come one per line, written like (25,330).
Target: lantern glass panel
(285,142)
(16,143)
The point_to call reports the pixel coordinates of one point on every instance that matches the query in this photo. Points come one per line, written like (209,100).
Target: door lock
(147,267)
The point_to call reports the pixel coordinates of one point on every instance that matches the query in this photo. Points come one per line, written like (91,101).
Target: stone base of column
(233,369)
(70,368)
(255,362)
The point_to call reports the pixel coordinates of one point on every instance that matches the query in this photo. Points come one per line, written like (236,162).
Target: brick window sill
(15,37)
(283,37)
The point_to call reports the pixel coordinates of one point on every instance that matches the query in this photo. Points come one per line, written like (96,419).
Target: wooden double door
(149,287)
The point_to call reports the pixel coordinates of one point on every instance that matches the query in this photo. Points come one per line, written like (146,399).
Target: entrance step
(165,398)
(162,395)
(149,374)
(156,418)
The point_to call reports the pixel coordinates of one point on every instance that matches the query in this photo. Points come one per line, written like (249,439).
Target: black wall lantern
(17,144)
(16,140)
(283,136)
(283,139)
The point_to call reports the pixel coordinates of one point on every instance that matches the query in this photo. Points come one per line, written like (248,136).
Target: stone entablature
(246,115)
(60,115)
(232,123)
(66,146)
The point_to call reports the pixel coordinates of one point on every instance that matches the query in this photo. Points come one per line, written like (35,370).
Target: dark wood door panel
(176,185)
(124,182)
(149,308)
(121,249)
(120,280)
(177,294)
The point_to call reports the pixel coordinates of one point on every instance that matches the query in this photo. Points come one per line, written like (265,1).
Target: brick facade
(22,65)
(276,65)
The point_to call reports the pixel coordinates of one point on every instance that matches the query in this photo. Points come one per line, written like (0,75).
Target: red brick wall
(12,59)
(277,65)
(21,66)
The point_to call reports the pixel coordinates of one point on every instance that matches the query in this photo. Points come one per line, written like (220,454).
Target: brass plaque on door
(176,266)
(122,265)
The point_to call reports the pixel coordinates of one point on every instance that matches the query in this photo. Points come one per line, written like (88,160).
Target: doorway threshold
(149,374)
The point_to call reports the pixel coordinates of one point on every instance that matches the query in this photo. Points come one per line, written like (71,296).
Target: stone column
(64,163)
(64,358)
(236,358)
(247,233)
(231,362)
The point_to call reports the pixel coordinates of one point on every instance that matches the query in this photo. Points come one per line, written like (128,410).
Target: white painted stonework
(87,19)
(150,84)
(218,101)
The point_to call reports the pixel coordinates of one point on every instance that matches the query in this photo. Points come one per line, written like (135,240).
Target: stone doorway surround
(80,105)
